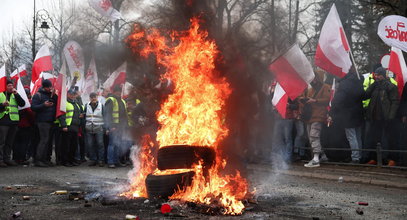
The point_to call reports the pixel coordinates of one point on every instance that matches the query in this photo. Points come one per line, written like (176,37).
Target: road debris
(363,203)
(132,217)
(76,195)
(26,197)
(165,208)
(60,192)
(16,214)
(359,211)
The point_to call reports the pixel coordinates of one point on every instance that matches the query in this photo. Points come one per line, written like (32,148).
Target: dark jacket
(403,102)
(347,107)
(76,121)
(384,101)
(43,113)
(6,119)
(123,118)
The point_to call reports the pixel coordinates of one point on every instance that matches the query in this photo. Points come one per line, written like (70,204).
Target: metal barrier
(378,151)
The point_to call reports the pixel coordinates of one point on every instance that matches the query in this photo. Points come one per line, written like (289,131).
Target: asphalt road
(280,196)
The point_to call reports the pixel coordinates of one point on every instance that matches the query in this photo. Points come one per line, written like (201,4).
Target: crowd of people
(98,130)
(368,110)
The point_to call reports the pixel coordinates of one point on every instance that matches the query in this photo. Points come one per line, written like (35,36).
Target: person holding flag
(10,100)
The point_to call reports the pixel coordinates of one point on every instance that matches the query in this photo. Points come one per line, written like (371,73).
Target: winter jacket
(43,113)
(347,107)
(319,108)
(384,101)
(76,121)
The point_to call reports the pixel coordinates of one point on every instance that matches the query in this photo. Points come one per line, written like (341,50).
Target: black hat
(9,82)
(46,83)
(377,65)
(117,88)
(93,94)
(72,91)
(380,71)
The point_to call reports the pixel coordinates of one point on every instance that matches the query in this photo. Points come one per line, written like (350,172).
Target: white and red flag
(332,53)
(105,8)
(61,90)
(293,71)
(280,100)
(91,81)
(3,78)
(126,90)
(21,92)
(398,66)
(332,94)
(19,72)
(75,61)
(118,77)
(38,83)
(42,62)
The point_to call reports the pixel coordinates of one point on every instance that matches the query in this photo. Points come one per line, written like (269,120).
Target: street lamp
(43,15)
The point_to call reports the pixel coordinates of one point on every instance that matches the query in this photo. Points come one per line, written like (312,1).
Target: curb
(402,184)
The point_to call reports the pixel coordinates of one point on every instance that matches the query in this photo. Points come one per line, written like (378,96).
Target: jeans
(314,135)
(283,138)
(299,140)
(96,151)
(7,134)
(44,129)
(113,150)
(354,136)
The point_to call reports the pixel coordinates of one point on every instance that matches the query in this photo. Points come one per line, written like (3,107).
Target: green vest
(369,81)
(12,109)
(115,113)
(69,112)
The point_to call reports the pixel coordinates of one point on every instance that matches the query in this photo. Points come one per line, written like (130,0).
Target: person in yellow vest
(69,124)
(116,122)
(9,118)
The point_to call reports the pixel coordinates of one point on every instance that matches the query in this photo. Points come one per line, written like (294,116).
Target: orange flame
(194,113)
(147,166)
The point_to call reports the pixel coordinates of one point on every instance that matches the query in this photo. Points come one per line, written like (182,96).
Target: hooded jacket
(384,100)
(43,113)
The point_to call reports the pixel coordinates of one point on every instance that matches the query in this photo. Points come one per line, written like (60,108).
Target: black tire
(163,186)
(184,156)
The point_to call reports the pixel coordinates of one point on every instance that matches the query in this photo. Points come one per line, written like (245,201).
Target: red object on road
(363,203)
(165,208)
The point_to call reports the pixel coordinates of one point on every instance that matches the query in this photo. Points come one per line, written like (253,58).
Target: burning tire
(184,157)
(163,186)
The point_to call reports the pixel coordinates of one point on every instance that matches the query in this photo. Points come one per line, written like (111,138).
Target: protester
(9,118)
(317,98)
(94,129)
(347,111)
(69,124)
(44,105)
(116,123)
(24,134)
(382,109)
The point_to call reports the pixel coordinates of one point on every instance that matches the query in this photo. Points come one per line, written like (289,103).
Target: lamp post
(43,15)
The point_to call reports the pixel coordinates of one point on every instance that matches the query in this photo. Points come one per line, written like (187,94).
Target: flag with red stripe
(280,100)
(332,54)
(398,66)
(293,71)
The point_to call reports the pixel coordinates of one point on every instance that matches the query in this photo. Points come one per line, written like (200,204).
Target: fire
(194,113)
(147,166)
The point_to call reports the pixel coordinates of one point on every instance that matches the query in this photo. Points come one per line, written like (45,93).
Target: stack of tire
(177,157)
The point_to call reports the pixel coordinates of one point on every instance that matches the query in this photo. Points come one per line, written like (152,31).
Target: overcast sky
(14,14)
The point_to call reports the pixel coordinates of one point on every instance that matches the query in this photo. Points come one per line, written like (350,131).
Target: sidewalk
(385,177)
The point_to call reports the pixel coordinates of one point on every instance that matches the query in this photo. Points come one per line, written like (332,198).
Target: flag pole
(354,63)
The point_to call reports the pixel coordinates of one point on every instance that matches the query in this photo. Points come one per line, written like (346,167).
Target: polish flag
(61,90)
(293,71)
(42,62)
(38,83)
(398,66)
(19,72)
(332,53)
(105,8)
(280,100)
(3,78)
(126,90)
(21,92)
(118,77)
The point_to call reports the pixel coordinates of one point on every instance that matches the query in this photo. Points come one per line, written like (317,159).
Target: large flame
(194,113)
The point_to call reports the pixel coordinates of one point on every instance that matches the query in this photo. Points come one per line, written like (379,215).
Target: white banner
(74,58)
(91,81)
(393,31)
